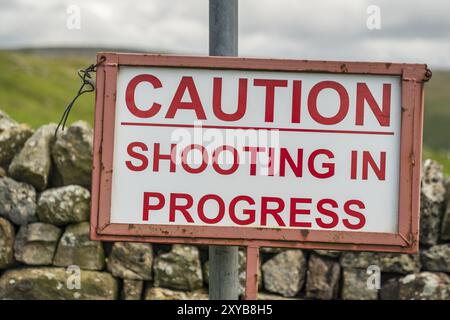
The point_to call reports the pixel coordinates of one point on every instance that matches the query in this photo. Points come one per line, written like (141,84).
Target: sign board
(236,151)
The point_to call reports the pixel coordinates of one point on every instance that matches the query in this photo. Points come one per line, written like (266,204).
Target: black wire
(87,85)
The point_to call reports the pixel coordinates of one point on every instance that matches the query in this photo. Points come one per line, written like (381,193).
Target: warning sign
(231,150)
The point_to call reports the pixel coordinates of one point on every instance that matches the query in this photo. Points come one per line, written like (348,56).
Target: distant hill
(80,52)
(36,88)
(37,84)
(437,111)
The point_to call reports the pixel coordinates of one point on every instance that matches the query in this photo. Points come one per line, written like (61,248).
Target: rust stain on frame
(405,240)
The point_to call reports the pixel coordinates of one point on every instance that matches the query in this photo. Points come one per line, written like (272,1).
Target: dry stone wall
(46,253)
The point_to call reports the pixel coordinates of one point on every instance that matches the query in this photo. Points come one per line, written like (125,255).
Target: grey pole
(223,27)
(223,41)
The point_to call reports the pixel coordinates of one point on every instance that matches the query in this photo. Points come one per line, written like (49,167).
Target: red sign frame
(405,240)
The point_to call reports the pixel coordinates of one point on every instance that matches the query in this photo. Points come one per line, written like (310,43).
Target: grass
(443,157)
(437,111)
(35,89)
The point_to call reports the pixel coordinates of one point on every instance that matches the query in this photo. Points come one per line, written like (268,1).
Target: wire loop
(87,85)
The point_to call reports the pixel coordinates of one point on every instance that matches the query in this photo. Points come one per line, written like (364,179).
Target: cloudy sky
(411,30)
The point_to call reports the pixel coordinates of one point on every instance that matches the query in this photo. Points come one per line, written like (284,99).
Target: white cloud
(411,31)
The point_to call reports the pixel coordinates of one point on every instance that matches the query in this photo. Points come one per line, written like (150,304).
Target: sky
(403,31)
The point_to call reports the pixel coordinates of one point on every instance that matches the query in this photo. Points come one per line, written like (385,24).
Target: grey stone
(354,285)
(269,296)
(359,260)
(417,286)
(431,202)
(445,228)
(322,279)
(64,205)
(12,138)
(7,236)
(328,253)
(17,201)
(132,289)
(53,284)
(179,269)
(399,263)
(33,163)
(387,262)
(271,250)
(285,273)
(155,293)
(36,243)
(75,248)
(130,260)
(72,154)
(437,258)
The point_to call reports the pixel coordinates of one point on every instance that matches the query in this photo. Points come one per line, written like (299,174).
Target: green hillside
(35,89)
(437,111)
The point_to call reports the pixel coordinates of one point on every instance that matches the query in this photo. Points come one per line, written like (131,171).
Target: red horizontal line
(175,125)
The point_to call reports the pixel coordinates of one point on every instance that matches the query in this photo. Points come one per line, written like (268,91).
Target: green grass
(442,157)
(35,89)
(437,111)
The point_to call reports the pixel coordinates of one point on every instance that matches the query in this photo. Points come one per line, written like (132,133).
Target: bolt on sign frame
(405,240)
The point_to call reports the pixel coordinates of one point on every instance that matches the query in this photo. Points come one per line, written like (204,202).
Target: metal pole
(223,41)
(223,27)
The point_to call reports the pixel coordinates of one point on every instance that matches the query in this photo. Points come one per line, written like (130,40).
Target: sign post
(228,151)
(223,41)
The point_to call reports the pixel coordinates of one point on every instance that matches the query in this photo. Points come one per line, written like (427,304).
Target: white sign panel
(262,149)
